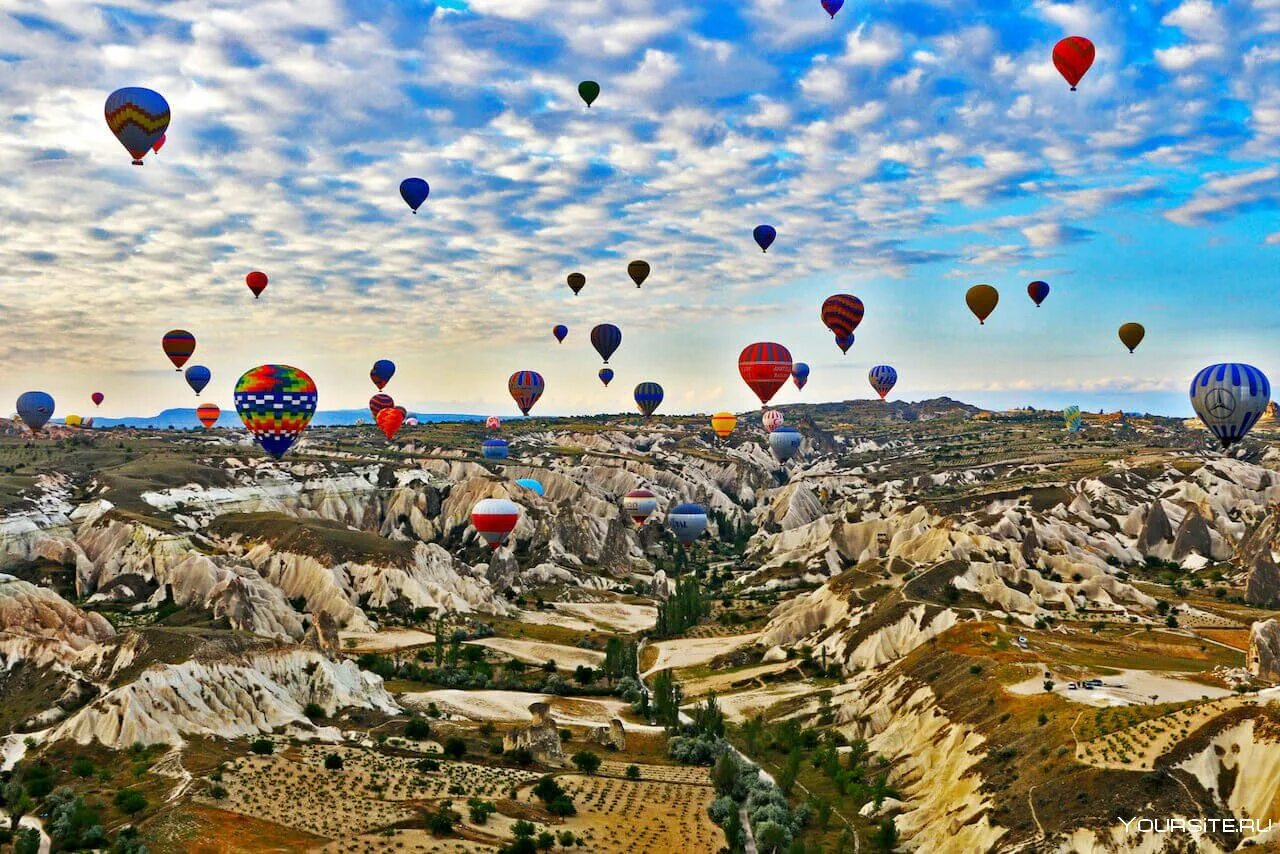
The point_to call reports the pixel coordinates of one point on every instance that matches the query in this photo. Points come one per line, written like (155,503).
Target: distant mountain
(186,418)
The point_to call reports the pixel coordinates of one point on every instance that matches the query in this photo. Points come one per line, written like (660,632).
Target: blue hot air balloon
(1038,290)
(494,449)
(606,338)
(606,375)
(784,442)
(882,378)
(561,332)
(531,485)
(687,522)
(139,118)
(198,377)
(648,398)
(844,342)
(414,191)
(800,375)
(1230,398)
(765,235)
(35,408)
(382,372)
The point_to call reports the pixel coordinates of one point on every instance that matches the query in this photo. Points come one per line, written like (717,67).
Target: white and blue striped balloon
(883,378)
(1230,398)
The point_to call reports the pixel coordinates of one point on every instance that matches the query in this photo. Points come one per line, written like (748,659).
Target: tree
(771,836)
(521,756)
(313,711)
(708,718)
(545,841)
(886,836)
(725,773)
(584,675)
(441,822)
(566,839)
(455,748)
(82,767)
(263,747)
(333,762)
(130,801)
(480,810)
(523,829)
(27,841)
(586,761)
(417,728)
(633,772)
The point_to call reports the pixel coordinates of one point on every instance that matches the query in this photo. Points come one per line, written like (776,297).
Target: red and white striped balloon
(772,419)
(494,519)
(639,504)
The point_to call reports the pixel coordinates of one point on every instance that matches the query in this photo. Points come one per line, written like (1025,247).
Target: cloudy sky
(904,151)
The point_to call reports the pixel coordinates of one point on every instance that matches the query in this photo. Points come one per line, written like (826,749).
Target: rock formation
(612,736)
(541,737)
(1264,649)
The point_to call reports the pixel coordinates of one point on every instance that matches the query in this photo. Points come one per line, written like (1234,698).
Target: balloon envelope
(390,420)
(257,283)
(1038,291)
(765,235)
(606,375)
(414,191)
(841,313)
(648,397)
(832,6)
(1230,398)
(208,413)
(382,372)
(1073,57)
(800,375)
(639,504)
(724,423)
(97,397)
(138,117)
(577,282)
(589,90)
(606,338)
(785,443)
(531,485)
(35,408)
(72,421)
(560,331)
(526,387)
(771,419)
(494,519)
(844,342)
(982,301)
(882,378)
(178,345)
(638,271)
(379,402)
(495,449)
(493,422)
(687,522)
(276,403)
(765,367)
(198,377)
(1131,335)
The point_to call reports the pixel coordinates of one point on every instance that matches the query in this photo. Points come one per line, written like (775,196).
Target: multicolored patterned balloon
(882,378)
(178,345)
(648,398)
(382,372)
(379,402)
(276,403)
(639,504)
(526,387)
(493,422)
(771,419)
(208,413)
(139,118)
(494,519)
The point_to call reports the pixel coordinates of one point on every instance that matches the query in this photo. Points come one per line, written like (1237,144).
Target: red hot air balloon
(841,313)
(178,345)
(390,420)
(257,283)
(765,367)
(97,397)
(1073,57)
(495,519)
(208,414)
(493,422)
(159,144)
(379,402)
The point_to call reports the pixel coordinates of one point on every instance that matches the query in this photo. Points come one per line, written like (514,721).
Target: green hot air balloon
(589,90)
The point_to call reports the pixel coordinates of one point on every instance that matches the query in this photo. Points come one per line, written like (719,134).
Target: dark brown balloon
(577,282)
(639,271)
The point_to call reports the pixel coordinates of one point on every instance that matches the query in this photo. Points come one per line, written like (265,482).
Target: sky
(904,151)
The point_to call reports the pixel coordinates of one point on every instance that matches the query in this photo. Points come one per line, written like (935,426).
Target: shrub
(333,762)
(633,772)
(313,711)
(263,747)
(586,762)
(480,810)
(521,756)
(417,729)
(455,747)
(217,792)
(82,767)
(545,841)
(130,801)
(427,765)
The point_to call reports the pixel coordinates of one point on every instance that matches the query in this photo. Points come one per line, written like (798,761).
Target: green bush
(130,801)
(263,747)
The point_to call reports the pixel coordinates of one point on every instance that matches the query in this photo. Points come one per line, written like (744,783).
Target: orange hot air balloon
(982,301)
(390,420)
(208,414)
(1131,335)
(257,283)
(723,423)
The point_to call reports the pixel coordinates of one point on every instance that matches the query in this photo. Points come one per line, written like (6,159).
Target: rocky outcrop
(1157,532)
(1262,587)
(1264,649)
(612,736)
(39,613)
(323,634)
(1192,537)
(541,737)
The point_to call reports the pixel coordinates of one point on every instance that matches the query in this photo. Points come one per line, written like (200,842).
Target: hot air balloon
(648,398)
(1230,398)
(1038,291)
(841,313)
(532,485)
(495,449)
(382,372)
(1073,57)
(606,375)
(687,522)
(560,331)
(982,301)
(178,345)
(494,519)
(606,338)
(844,342)
(379,402)
(724,423)
(882,378)
(159,143)
(765,235)
(138,117)
(1071,419)
(257,283)
(72,421)
(97,397)
(198,377)
(493,422)
(638,271)
(414,191)
(589,90)
(35,408)
(577,282)
(800,375)
(832,6)
(276,403)
(771,419)
(639,504)
(390,420)
(526,387)
(208,413)
(411,421)
(765,367)
(1131,335)
(785,443)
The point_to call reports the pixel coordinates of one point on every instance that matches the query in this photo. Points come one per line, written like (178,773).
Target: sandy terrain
(738,707)
(1129,687)
(385,641)
(722,682)
(537,652)
(513,706)
(687,652)
(612,616)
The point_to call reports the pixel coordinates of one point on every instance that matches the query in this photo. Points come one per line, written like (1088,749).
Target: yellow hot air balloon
(724,423)
(72,420)
(982,301)
(1131,335)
